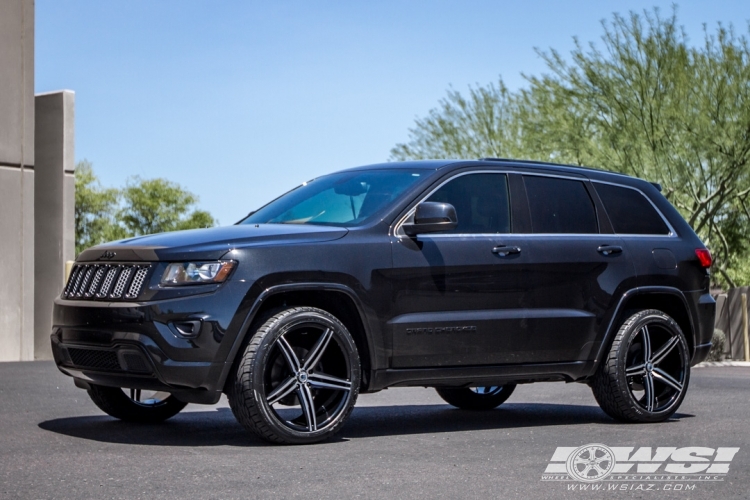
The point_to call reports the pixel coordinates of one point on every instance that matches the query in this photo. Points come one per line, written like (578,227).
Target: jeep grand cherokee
(467,276)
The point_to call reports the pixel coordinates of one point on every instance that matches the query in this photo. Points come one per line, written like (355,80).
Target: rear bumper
(704,307)
(701,353)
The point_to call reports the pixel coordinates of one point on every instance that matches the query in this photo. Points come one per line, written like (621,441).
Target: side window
(480,200)
(560,206)
(629,211)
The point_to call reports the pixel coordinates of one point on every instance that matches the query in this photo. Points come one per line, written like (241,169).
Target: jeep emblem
(107,255)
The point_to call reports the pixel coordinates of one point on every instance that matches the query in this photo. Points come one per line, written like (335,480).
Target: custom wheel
(476,398)
(135,405)
(645,376)
(298,378)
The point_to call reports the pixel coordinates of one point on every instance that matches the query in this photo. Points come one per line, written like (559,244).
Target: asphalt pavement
(399,443)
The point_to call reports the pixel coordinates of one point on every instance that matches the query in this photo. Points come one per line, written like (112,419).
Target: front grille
(96,359)
(135,286)
(106,281)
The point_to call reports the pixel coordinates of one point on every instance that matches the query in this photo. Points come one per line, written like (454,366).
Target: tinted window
(629,211)
(480,200)
(560,206)
(342,199)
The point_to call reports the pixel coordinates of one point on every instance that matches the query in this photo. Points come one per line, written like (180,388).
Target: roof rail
(544,163)
(552,164)
(533,162)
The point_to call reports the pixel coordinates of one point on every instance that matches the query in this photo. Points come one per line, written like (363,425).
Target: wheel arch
(667,299)
(339,300)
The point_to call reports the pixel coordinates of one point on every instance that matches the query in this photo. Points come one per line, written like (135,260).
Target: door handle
(609,249)
(504,251)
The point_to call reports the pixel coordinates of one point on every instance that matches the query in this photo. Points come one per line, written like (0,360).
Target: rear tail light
(704,256)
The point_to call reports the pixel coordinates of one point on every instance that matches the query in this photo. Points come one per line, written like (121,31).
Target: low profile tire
(476,398)
(298,378)
(645,376)
(135,405)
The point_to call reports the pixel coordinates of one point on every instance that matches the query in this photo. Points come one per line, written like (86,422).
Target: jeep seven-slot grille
(106,281)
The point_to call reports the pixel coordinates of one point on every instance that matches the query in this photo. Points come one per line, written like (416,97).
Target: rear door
(655,247)
(577,269)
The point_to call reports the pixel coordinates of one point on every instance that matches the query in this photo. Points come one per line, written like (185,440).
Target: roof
(592,173)
(413,164)
(438,164)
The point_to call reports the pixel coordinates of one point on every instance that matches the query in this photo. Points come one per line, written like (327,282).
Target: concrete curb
(723,363)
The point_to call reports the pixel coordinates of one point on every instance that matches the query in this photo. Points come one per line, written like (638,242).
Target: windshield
(341,199)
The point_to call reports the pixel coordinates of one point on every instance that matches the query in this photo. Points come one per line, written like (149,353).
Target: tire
(645,376)
(298,378)
(144,407)
(476,398)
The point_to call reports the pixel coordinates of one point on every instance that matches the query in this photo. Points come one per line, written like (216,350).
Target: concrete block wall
(17,179)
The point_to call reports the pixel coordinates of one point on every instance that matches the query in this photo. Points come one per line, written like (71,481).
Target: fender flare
(296,287)
(627,295)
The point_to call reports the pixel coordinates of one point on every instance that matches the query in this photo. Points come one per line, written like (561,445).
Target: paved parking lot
(399,443)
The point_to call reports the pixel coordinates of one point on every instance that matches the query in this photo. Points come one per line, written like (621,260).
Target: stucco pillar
(54,207)
(17,179)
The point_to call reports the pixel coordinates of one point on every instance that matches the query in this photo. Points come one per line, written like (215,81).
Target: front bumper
(139,345)
(137,363)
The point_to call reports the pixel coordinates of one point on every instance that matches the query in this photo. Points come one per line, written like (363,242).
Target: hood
(208,244)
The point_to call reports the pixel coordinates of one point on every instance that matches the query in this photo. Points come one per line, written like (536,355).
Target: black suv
(467,276)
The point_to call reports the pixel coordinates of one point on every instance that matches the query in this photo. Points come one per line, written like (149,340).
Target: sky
(240,101)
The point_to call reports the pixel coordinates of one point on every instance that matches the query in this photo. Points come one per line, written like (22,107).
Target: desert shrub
(718,340)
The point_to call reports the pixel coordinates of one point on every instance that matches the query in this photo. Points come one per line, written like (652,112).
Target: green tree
(144,206)
(478,126)
(95,209)
(647,104)
(651,105)
(157,206)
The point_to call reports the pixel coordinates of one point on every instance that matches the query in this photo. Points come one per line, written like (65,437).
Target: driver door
(459,295)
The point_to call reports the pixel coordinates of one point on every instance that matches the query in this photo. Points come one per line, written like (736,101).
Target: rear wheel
(298,378)
(476,398)
(135,405)
(645,376)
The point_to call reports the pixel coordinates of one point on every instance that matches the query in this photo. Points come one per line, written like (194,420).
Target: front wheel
(135,405)
(476,398)
(298,379)
(645,376)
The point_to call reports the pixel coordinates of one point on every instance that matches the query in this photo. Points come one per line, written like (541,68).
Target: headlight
(191,273)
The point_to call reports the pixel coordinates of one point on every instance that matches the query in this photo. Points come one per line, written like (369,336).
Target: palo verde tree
(484,124)
(643,102)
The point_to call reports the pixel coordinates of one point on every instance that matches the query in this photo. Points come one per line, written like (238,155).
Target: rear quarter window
(629,211)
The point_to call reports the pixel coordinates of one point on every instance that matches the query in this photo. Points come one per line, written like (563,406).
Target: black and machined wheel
(298,378)
(476,398)
(645,376)
(135,405)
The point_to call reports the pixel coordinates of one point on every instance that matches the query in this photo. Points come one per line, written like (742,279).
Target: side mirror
(430,217)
